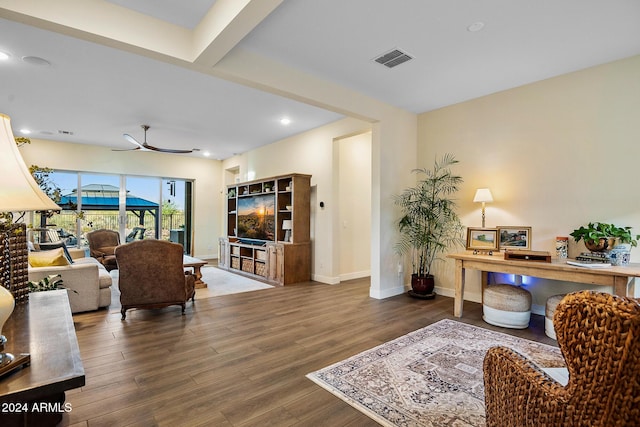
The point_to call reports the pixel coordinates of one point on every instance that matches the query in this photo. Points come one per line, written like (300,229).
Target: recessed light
(476,26)
(285,121)
(25,131)
(206,153)
(4,56)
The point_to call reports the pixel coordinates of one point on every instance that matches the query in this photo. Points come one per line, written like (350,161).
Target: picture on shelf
(256,217)
(482,238)
(515,237)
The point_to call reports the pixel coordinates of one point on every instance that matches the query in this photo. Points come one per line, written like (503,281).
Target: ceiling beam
(225,25)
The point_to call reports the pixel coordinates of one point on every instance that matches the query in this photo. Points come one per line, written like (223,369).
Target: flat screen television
(256,217)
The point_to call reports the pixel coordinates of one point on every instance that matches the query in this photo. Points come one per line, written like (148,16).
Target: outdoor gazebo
(103,197)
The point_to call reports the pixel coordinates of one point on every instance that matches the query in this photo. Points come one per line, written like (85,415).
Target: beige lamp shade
(286,224)
(483,195)
(18,190)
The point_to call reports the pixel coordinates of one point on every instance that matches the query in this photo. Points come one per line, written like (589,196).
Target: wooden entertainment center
(268,229)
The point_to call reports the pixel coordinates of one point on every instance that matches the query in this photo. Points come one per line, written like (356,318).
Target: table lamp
(19,192)
(483,195)
(286,225)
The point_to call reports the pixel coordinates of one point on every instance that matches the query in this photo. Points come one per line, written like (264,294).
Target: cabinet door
(223,253)
(280,263)
(272,262)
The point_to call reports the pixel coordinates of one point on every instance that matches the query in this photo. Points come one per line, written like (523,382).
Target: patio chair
(136,234)
(102,245)
(151,275)
(599,336)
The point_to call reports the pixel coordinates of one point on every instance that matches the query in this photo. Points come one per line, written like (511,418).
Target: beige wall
(354,193)
(205,173)
(313,153)
(556,154)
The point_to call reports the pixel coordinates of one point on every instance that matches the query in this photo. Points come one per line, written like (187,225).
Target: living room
(556,153)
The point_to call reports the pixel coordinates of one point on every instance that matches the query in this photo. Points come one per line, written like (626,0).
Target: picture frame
(483,239)
(514,237)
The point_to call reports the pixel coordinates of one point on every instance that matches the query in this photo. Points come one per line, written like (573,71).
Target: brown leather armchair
(599,336)
(151,275)
(102,245)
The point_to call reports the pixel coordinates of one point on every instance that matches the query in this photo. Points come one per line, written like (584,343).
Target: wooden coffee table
(196,264)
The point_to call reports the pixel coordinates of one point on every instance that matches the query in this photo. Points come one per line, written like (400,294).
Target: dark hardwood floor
(240,360)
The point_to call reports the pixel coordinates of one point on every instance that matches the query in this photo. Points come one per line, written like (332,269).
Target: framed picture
(482,239)
(515,237)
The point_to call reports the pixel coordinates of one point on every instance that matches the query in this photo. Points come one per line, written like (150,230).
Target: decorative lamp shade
(18,190)
(483,195)
(286,224)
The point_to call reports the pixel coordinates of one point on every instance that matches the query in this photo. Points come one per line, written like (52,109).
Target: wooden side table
(617,276)
(196,264)
(35,394)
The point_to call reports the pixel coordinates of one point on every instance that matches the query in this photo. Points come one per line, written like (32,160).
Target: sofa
(87,281)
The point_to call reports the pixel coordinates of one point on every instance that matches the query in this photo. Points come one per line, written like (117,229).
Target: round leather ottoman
(507,306)
(550,309)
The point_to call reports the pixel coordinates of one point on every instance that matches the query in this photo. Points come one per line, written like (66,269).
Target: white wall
(556,154)
(205,173)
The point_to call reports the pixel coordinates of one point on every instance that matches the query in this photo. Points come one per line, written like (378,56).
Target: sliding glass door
(134,206)
(142,205)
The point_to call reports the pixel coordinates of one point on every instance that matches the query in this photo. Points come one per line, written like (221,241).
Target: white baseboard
(355,275)
(325,279)
(386,293)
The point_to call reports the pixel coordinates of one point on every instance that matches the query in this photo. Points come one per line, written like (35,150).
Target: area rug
(221,282)
(430,377)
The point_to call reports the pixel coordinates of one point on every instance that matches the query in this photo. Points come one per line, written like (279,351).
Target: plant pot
(422,285)
(602,245)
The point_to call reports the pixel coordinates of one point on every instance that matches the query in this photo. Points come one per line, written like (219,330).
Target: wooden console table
(44,328)
(615,276)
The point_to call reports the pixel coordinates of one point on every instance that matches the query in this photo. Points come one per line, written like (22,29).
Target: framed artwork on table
(514,237)
(484,239)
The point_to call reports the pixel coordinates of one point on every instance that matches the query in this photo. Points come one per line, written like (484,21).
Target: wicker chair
(599,336)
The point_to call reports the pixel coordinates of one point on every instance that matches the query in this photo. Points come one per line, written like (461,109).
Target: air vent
(65,132)
(393,58)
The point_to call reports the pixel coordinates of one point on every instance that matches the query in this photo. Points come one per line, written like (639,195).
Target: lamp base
(9,362)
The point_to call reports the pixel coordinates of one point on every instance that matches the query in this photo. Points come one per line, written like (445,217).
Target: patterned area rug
(219,282)
(430,377)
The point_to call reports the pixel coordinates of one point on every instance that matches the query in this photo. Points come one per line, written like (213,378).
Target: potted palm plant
(429,223)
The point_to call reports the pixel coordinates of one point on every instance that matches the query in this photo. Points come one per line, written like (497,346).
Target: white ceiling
(100,92)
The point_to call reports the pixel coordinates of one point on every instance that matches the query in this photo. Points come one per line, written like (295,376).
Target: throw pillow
(55,245)
(47,258)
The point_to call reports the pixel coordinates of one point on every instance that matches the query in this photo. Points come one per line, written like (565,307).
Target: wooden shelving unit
(284,257)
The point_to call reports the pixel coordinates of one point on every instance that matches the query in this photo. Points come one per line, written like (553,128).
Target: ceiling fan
(146,147)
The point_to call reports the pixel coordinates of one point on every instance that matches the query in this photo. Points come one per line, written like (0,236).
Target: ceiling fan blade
(132,140)
(127,149)
(146,147)
(165,150)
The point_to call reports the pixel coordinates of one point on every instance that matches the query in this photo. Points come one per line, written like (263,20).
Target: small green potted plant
(48,283)
(600,236)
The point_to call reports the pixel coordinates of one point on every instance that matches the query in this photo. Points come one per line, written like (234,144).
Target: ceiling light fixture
(475,27)
(285,121)
(36,60)
(4,56)
(206,153)
(25,131)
